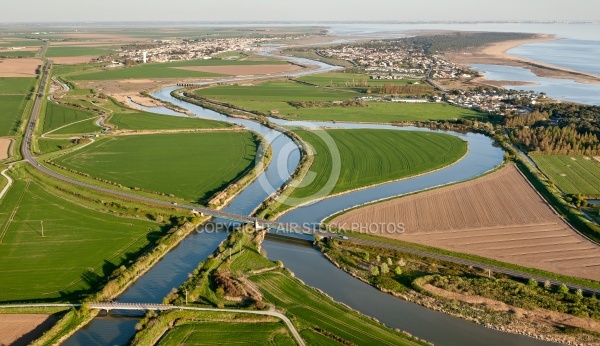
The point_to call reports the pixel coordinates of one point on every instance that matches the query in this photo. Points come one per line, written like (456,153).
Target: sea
(577,48)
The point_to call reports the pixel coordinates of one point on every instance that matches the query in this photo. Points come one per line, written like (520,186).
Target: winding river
(307,263)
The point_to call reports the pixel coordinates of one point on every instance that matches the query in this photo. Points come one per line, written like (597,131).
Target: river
(308,264)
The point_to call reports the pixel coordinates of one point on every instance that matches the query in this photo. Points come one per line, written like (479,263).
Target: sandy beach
(495,54)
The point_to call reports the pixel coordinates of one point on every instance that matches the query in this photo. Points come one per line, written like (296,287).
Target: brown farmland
(243,70)
(71,60)
(16,329)
(19,67)
(4,146)
(498,216)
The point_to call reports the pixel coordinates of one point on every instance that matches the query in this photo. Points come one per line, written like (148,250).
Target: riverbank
(496,54)
(408,277)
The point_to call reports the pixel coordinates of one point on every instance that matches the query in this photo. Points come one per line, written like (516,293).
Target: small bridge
(108,306)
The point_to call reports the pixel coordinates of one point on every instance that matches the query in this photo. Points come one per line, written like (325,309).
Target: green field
(274,98)
(350,80)
(369,157)
(309,307)
(189,165)
(58,115)
(163,70)
(275,91)
(221,333)
(79,247)
(18,54)
(16,85)
(48,145)
(11,111)
(150,121)
(571,174)
(21,43)
(67,51)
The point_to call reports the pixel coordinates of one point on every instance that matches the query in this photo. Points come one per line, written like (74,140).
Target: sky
(299,10)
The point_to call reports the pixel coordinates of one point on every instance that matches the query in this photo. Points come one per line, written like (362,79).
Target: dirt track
(19,67)
(498,216)
(243,70)
(14,326)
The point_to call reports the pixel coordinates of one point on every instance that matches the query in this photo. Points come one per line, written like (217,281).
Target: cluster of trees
(585,118)
(556,140)
(529,296)
(431,44)
(534,118)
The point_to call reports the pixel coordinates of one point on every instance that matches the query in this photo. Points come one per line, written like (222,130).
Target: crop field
(220,333)
(369,157)
(18,54)
(58,115)
(275,91)
(78,247)
(572,174)
(151,121)
(163,70)
(310,307)
(11,110)
(498,216)
(68,51)
(16,85)
(189,165)
(14,326)
(21,43)
(274,98)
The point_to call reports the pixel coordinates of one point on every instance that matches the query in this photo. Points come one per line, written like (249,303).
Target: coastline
(496,54)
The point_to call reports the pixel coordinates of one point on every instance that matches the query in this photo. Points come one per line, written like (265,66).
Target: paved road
(164,307)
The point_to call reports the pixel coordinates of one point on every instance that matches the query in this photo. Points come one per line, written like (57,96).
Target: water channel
(307,263)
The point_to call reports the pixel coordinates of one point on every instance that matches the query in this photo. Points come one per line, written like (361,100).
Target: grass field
(57,115)
(66,51)
(138,120)
(349,80)
(48,145)
(369,157)
(18,54)
(22,43)
(189,165)
(163,70)
(79,247)
(11,110)
(220,333)
(312,308)
(572,174)
(276,91)
(16,85)
(274,97)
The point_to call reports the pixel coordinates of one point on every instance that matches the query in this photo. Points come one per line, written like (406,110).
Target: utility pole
(186,293)
(230,254)
(42,223)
